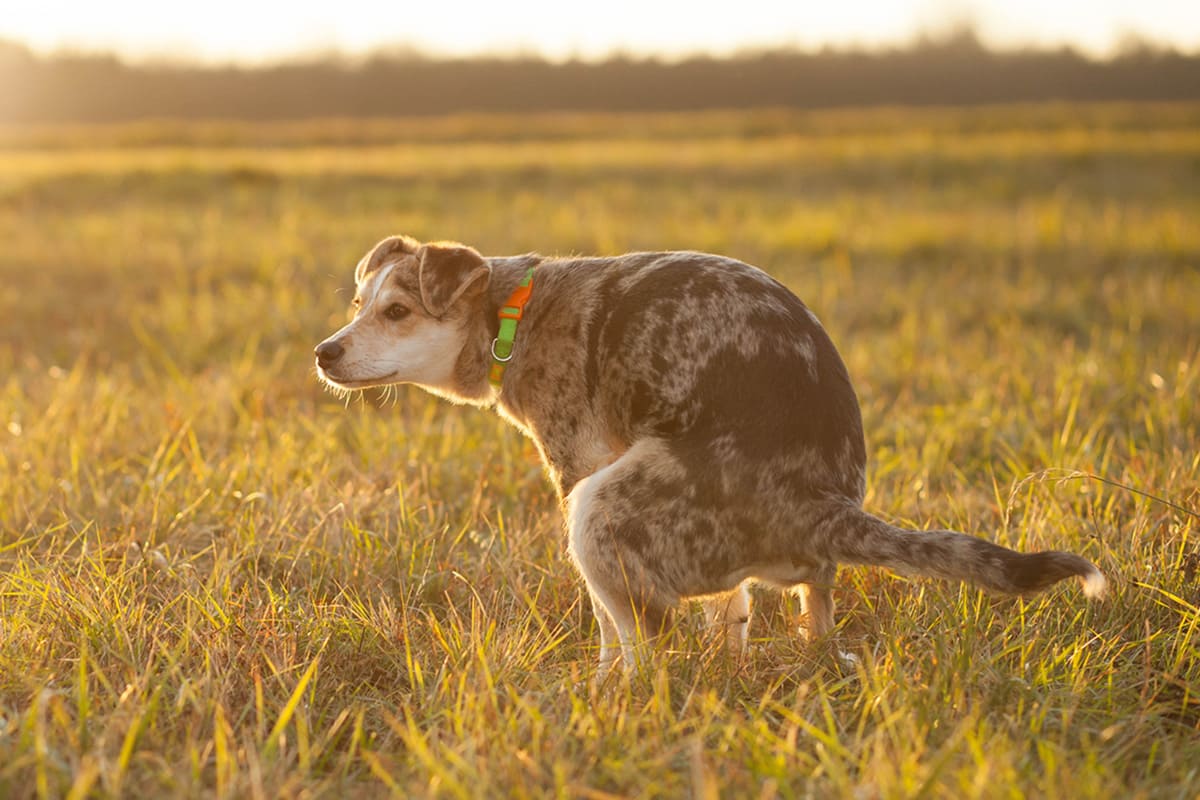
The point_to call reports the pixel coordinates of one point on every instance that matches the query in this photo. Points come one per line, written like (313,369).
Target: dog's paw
(847,661)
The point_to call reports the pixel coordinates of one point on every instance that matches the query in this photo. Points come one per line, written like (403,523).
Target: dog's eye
(396,311)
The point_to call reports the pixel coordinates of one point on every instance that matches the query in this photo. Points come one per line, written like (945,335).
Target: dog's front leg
(816,607)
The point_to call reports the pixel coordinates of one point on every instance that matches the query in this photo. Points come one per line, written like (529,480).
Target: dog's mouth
(355,383)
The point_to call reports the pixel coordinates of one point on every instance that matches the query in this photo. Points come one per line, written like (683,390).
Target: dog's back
(704,351)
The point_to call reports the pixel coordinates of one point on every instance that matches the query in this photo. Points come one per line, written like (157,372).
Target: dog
(698,425)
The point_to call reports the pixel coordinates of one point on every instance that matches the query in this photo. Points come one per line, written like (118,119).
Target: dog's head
(411,302)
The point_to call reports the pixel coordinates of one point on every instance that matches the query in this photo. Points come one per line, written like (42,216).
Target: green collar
(510,314)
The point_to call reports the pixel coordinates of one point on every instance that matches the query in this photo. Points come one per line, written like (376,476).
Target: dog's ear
(447,272)
(389,248)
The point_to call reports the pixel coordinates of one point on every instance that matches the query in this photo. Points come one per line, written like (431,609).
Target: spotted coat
(694,417)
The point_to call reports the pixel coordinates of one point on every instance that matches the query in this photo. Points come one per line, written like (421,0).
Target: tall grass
(217,579)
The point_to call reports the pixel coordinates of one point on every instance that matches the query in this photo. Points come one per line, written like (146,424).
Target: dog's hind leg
(816,604)
(729,614)
(610,640)
(637,610)
(620,539)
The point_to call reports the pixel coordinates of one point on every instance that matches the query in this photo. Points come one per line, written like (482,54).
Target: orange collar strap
(510,314)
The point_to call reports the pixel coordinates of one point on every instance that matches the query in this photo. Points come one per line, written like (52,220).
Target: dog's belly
(779,575)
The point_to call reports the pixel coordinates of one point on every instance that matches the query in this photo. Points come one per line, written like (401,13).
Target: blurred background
(126,60)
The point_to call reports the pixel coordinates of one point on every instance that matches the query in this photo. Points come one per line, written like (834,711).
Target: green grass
(215,578)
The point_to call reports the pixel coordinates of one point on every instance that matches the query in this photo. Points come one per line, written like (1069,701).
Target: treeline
(952,71)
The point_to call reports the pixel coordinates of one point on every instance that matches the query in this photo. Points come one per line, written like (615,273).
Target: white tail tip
(1094,584)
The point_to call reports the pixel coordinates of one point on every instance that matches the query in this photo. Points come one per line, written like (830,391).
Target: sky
(246,31)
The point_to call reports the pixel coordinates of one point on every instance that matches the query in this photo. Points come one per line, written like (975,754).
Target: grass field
(217,579)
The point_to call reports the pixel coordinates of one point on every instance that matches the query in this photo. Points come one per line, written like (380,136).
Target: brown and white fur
(693,415)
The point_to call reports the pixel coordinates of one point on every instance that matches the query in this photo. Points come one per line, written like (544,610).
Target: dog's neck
(471,369)
(506,275)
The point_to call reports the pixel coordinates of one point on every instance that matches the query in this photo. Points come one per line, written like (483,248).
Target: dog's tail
(852,536)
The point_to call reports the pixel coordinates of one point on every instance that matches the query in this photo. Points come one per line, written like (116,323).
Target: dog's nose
(328,353)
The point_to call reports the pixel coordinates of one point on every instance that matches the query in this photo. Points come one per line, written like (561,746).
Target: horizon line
(1130,44)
